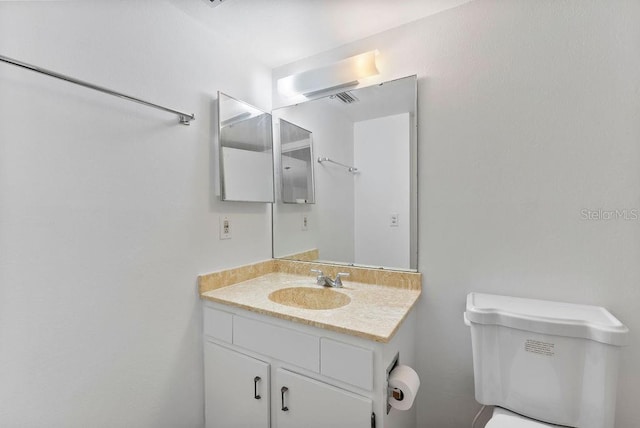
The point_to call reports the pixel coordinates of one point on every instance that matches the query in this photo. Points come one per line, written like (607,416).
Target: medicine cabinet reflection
(245,151)
(296,164)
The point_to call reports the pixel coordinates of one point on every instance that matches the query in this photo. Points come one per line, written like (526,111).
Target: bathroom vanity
(270,361)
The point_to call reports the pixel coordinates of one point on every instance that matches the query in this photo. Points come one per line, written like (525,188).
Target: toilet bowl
(503,418)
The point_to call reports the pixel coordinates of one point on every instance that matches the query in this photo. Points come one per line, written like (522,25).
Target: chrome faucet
(325,281)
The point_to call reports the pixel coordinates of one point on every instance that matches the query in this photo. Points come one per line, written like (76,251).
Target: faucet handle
(338,280)
(320,278)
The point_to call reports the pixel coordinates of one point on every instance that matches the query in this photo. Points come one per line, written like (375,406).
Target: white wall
(528,114)
(107,213)
(382,144)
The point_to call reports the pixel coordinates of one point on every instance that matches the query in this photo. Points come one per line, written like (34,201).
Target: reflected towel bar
(185,118)
(350,168)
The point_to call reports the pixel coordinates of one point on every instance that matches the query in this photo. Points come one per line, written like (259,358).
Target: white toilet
(544,363)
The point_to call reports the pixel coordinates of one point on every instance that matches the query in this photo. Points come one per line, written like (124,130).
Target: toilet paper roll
(406,380)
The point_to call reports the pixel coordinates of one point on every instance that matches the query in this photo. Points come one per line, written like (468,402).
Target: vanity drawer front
(283,344)
(218,324)
(348,363)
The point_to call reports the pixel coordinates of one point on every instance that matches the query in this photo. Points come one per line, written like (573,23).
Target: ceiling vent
(213,3)
(346,97)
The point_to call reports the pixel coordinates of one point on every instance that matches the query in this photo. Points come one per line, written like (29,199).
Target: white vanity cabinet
(262,371)
(236,389)
(306,402)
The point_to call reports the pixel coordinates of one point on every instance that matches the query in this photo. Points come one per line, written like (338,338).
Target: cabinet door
(312,404)
(236,389)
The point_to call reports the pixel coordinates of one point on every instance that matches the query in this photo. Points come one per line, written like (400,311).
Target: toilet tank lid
(547,317)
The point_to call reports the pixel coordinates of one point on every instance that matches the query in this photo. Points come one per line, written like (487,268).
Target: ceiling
(278,32)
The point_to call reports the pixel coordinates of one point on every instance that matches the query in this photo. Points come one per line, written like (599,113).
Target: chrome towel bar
(350,168)
(185,118)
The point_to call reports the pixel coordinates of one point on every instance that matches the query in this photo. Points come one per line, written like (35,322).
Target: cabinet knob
(283,390)
(255,387)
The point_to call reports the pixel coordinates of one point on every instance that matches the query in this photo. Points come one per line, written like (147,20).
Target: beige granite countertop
(375,311)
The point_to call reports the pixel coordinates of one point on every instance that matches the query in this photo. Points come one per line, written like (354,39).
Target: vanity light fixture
(340,74)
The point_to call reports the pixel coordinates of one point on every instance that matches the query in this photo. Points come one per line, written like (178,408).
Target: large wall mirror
(365,173)
(246,151)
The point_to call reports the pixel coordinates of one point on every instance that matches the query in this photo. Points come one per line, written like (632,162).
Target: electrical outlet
(393,220)
(225,227)
(305,221)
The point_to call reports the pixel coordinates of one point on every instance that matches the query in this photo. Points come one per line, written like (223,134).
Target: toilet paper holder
(396,393)
(393,392)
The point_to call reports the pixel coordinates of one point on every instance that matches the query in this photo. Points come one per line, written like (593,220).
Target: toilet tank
(551,361)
